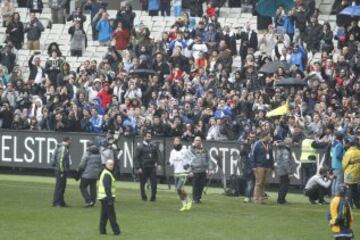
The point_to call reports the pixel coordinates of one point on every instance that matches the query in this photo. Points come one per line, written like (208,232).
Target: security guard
(351,168)
(309,156)
(146,160)
(106,195)
(61,163)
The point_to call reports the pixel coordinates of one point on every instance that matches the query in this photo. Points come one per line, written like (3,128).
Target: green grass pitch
(26,214)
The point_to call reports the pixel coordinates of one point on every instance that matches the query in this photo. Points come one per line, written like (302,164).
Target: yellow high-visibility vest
(308,153)
(101,190)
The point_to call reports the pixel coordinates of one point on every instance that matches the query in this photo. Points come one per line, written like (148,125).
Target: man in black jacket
(248,39)
(146,160)
(313,35)
(61,162)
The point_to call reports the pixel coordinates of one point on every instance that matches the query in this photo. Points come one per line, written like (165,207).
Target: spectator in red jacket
(105,96)
(211,10)
(122,37)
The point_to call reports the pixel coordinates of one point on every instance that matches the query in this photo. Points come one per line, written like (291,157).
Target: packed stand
(184,84)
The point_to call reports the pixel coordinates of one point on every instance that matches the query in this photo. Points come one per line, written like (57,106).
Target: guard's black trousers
(148,173)
(108,213)
(283,188)
(60,186)
(88,189)
(199,181)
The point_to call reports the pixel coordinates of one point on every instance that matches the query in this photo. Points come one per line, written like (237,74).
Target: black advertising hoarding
(28,149)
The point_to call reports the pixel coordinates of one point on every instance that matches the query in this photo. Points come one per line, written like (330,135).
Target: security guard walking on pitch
(106,195)
(61,162)
(146,160)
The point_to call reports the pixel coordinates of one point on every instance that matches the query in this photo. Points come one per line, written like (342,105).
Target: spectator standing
(15,31)
(7,10)
(165,7)
(77,16)
(121,37)
(104,29)
(90,167)
(94,6)
(57,11)
(37,72)
(153,7)
(33,30)
(77,40)
(314,33)
(35,6)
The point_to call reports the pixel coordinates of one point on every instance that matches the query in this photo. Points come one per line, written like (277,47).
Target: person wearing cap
(337,154)
(106,195)
(340,216)
(90,167)
(351,168)
(61,163)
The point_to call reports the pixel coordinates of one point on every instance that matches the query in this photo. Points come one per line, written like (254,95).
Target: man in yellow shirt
(351,168)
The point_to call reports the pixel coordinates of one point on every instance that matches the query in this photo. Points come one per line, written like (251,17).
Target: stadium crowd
(185,84)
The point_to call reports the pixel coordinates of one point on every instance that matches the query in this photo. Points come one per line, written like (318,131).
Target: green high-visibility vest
(101,190)
(308,153)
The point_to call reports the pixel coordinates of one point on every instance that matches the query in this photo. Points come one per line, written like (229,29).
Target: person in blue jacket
(153,7)
(289,25)
(104,29)
(262,162)
(337,154)
(297,57)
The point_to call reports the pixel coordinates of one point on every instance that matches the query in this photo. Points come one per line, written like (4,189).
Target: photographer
(33,30)
(52,67)
(318,186)
(7,57)
(6,115)
(77,16)
(78,41)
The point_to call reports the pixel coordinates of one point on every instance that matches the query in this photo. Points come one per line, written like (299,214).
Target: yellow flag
(282,110)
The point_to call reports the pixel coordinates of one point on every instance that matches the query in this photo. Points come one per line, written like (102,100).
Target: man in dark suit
(146,160)
(249,40)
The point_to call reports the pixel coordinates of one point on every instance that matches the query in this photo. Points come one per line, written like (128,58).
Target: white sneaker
(246,200)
